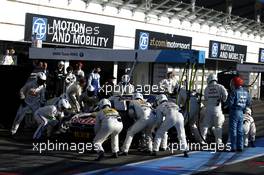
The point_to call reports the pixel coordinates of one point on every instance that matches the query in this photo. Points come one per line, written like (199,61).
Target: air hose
(200,100)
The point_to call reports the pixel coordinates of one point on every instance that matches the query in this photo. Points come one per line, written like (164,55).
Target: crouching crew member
(249,128)
(108,122)
(142,112)
(47,117)
(173,117)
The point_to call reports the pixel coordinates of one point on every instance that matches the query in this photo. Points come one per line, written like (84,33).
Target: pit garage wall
(12,26)
(248,77)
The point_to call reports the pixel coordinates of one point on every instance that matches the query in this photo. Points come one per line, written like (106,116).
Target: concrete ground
(18,157)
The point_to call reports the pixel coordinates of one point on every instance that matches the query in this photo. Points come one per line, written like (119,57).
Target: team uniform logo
(215,48)
(143,40)
(109,111)
(39,27)
(81,54)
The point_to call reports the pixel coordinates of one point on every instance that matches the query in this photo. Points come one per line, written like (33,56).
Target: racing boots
(252,144)
(114,155)
(123,153)
(185,154)
(100,156)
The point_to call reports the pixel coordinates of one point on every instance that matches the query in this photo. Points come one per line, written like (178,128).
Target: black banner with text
(227,51)
(155,40)
(69,32)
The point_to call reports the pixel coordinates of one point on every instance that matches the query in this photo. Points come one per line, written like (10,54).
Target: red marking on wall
(8,173)
(259,163)
(253,163)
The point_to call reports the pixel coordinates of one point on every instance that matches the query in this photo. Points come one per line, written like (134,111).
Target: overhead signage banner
(227,51)
(159,56)
(261,55)
(154,40)
(250,68)
(69,32)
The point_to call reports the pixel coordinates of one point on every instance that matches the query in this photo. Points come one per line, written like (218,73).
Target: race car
(81,126)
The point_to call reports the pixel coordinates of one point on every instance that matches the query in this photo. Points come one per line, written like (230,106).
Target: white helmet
(125,78)
(211,77)
(248,111)
(137,95)
(160,98)
(64,104)
(41,76)
(104,102)
(61,63)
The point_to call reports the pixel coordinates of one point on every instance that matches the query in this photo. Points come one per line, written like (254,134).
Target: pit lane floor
(17,157)
(199,162)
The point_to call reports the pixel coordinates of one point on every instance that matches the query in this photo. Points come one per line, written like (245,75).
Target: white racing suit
(88,103)
(34,96)
(193,116)
(118,102)
(46,119)
(73,94)
(214,94)
(108,122)
(249,129)
(124,88)
(169,85)
(79,74)
(69,80)
(173,117)
(7,60)
(142,111)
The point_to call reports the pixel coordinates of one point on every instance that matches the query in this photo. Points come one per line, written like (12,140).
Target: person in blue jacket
(239,99)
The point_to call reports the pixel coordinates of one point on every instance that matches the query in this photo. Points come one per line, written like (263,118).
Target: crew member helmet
(125,78)
(137,96)
(237,81)
(211,77)
(161,98)
(64,104)
(248,111)
(104,102)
